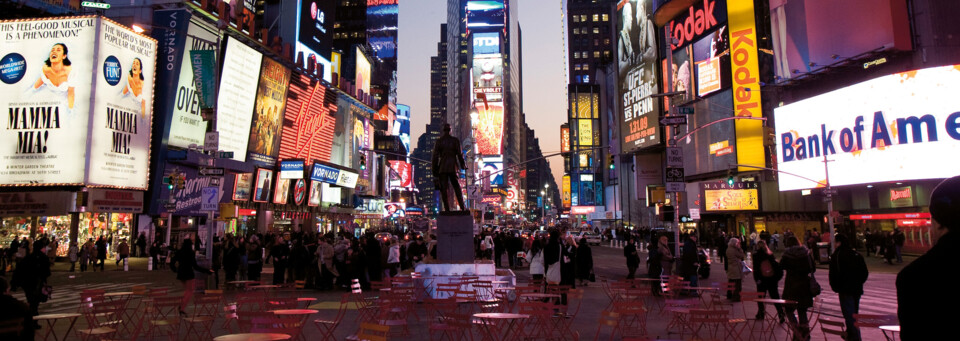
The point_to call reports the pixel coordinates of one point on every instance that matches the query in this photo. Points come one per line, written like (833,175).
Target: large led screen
(899,127)
(268,113)
(804,32)
(186,125)
(316,25)
(363,72)
(488,76)
(236,99)
(486,14)
(711,62)
(48,70)
(308,121)
(712,148)
(401,127)
(720,196)
(382,22)
(489,132)
(637,59)
(404,170)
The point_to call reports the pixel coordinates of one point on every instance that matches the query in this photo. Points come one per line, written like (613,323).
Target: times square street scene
(670,170)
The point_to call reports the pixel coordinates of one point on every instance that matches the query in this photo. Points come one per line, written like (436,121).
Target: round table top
(774,301)
(306,299)
(265,286)
(505,288)
(539,295)
(500,282)
(119,293)
(241,282)
(56,316)
(295,311)
(895,328)
(501,316)
(700,288)
(252,337)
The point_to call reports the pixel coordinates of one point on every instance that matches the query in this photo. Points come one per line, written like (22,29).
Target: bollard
(126,267)
(611,243)
(149,263)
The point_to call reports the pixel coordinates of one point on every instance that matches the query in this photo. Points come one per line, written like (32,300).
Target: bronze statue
(447,163)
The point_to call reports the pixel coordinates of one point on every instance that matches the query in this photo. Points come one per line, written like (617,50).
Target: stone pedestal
(455,237)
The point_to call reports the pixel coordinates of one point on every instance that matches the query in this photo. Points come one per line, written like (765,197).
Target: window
(576,67)
(606,17)
(586,78)
(596,54)
(606,41)
(576,30)
(583,17)
(576,55)
(576,18)
(586,67)
(596,17)
(596,30)
(596,42)
(606,54)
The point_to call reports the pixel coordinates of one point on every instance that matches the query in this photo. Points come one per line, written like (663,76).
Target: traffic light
(611,161)
(730,180)
(167,180)
(363,161)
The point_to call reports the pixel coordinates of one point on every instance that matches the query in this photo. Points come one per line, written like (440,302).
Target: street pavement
(879,296)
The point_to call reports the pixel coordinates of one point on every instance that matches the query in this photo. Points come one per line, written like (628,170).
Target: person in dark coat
(889,248)
(142,245)
(185,262)
(633,258)
(767,272)
(798,264)
(722,249)
(690,260)
(216,262)
(848,272)
(930,281)
(254,258)
(101,252)
(372,251)
(31,275)
(280,255)
(551,253)
(584,262)
(231,258)
(15,309)
(568,263)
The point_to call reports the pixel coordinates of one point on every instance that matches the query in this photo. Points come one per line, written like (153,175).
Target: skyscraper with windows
(590,37)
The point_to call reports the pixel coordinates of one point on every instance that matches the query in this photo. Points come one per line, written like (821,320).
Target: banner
(746,72)
(204,62)
(235,101)
(21,204)
(168,32)
(114,200)
(309,121)
(637,59)
(264,145)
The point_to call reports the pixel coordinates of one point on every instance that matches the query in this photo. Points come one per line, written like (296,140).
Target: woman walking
(535,255)
(185,262)
(735,257)
(798,263)
(584,262)
(767,273)
(73,254)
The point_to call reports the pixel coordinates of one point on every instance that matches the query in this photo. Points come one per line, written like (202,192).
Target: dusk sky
(544,73)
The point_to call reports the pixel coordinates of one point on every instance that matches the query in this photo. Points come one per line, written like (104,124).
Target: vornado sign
(701,18)
(897,127)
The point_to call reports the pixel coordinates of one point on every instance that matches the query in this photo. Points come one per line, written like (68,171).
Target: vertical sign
(210,199)
(746,84)
(203,62)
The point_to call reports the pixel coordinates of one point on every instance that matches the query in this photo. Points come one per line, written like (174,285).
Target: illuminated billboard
(486,14)
(492,169)
(564,139)
(486,43)
(637,58)
(891,128)
(401,126)
(309,121)
(404,170)
(489,132)
(59,130)
(711,62)
(566,191)
(382,22)
(746,68)
(315,33)
(488,76)
(236,99)
(721,196)
(268,113)
(362,80)
(186,125)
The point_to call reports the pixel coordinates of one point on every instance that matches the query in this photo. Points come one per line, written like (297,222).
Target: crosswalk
(66,298)
(879,295)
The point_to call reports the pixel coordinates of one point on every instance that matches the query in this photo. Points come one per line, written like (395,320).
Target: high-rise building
(423,177)
(590,37)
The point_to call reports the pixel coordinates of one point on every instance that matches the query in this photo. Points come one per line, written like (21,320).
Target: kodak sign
(701,18)
(746,83)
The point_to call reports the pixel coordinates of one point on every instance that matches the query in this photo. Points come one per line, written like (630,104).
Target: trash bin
(824,252)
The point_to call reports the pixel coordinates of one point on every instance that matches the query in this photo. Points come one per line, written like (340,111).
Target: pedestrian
(231,258)
(535,256)
(735,256)
(767,273)
(898,240)
(498,246)
(633,258)
(14,309)
(31,275)
(753,239)
(722,248)
(928,281)
(797,262)
(568,263)
(848,272)
(584,262)
(254,258)
(123,251)
(889,248)
(216,261)
(86,253)
(12,252)
(280,255)
(666,256)
(300,257)
(690,261)
(142,245)
(372,254)
(486,247)
(325,258)
(551,258)
(73,254)
(185,263)
(417,252)
(355,264)
(155,249)
(393,258)
(101,252)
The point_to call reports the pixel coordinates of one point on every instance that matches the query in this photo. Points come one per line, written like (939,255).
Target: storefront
(916,227)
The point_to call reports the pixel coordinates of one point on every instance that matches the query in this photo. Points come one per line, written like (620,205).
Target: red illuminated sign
(308,121)
(564,140)
(405,170)
(582,209)
(885,216)
(900,193)
(699,19)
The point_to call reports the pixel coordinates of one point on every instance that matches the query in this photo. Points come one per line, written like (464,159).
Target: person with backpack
(767,273)
(848,272)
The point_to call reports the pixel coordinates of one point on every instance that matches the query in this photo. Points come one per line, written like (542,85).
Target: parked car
(592,238)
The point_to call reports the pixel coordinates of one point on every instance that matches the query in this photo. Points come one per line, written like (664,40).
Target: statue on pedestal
(447,163)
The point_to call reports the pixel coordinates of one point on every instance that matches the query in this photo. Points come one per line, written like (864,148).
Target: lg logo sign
(316,14)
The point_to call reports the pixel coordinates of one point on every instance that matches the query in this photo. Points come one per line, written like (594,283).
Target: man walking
(633,258)
(848,272)
(898,239)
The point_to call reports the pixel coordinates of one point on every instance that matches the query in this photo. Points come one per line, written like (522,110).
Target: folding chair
(452,327)
(713,324)
(541,324)
(104,319)
(204,314)
(874,321)
(447,290)
(12,327)
(164,314)
(679,308)
(608,319)
(830,327)
(327,327)
(272,324)
(245,319)
(394,311)
(632,317)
